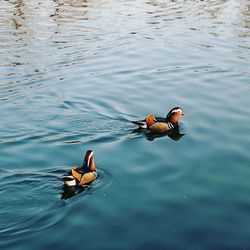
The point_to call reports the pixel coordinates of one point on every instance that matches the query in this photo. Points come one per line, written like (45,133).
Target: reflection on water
(150,135)
(68,192)
(74,73)
(40,38)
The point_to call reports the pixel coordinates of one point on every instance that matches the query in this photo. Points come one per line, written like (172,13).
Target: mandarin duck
(79,176)
(160,124)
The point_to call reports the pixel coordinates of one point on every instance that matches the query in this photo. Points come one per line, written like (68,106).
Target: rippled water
(74,73)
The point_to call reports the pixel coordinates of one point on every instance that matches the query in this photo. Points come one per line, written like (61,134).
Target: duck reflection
(173,134)
(68,192)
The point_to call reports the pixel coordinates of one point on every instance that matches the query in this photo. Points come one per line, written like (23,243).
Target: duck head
(174,114)
(150,120)
(89,161)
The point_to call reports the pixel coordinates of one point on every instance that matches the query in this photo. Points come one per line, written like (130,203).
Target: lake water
(74,73)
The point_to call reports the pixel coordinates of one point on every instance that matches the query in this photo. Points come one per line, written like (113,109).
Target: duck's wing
(76,174)
(160,119)
(87,178)
(160,127)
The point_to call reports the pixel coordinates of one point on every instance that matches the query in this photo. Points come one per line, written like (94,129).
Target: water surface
(75,73)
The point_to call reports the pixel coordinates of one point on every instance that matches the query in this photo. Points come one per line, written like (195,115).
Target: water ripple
(33,199)
(76,72)
(33,194)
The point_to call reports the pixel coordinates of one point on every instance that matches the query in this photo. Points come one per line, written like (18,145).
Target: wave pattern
(33,197)
(74,73)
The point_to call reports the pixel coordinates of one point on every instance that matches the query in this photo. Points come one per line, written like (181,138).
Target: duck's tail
(68,180)
(141,123)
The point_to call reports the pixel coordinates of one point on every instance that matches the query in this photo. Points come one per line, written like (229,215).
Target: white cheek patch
(176,110)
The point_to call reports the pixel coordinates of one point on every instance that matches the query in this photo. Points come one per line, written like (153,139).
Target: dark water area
(73,74)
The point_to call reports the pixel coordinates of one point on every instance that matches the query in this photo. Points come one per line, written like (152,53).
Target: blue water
(74,73)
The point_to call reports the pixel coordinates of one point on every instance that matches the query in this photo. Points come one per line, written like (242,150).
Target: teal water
(74,74)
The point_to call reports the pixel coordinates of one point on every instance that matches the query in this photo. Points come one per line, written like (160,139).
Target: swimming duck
(160,124)
(82,175)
